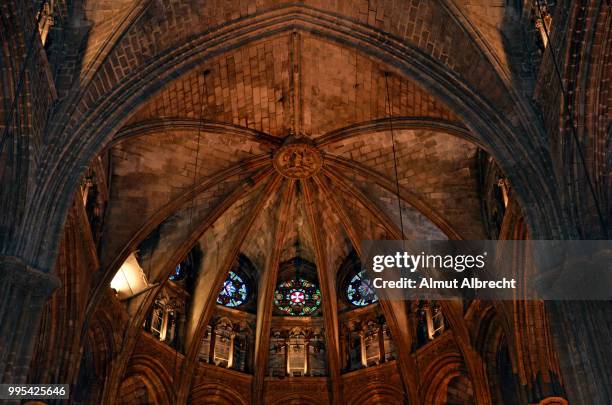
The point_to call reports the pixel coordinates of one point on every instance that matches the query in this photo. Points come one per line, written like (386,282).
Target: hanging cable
(399,205)
(201,124)
(195,172)
(573,131)
(397,186)
(22,74)
(191,209)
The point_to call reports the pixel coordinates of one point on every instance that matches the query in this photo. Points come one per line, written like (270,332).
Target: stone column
(582,332)
(249,350)
(164,326)
(230,357)
(23,294)
(362,344)
(582,329)
(213,338)
(429,318)
(180,333)
(349,348)
(287,357)
(307,359)
(381,342)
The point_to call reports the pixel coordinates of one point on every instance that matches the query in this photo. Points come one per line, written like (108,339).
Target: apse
(186,188)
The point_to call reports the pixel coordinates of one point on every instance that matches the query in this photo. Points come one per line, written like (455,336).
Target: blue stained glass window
(179,273)
(234,292)
(360,291)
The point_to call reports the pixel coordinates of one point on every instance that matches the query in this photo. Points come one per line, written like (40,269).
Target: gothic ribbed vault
(252,135)
(210,161)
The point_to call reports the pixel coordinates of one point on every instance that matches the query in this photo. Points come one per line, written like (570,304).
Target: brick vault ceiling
(195,164)
(253,87)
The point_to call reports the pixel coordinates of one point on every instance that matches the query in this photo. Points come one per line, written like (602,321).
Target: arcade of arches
(185,185)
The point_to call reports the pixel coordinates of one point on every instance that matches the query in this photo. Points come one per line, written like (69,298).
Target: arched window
(360,291)
(184,271)
(297,352)
(162,321)
(297,297)
(316,355)
(218,345)
(296,362)
(223,344)
(179,273)
(234,292)
(366,341)
(242,348)
(278,355)
(371,341)
(430,321)
(157,318)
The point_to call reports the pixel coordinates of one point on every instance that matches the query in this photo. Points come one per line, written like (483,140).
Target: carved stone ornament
(298,161)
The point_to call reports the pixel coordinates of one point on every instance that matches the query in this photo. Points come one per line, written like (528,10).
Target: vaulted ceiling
(264,65)
(257,140)
(257,127)
(211,160)
(232,114)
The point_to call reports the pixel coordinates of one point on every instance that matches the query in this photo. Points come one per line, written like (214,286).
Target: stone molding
(553,401)
(17,273)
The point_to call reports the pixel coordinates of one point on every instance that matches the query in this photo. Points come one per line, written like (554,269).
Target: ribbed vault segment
(154,173)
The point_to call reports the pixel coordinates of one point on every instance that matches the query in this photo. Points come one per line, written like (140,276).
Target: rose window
(298,297)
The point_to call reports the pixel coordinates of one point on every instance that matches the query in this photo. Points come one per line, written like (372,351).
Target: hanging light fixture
(130,279)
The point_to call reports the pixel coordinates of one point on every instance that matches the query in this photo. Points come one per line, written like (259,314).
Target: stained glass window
(234,292)
(297,297)
(179,273)
(360,291)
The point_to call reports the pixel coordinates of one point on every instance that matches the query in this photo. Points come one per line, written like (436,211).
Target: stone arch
(297,399)
(439,375)
(492,343)
(153,126)
(553,401)
(153,375)
(100,346)
(398,123)
(140,389)
(215,394)
(410,198)
(459,391)
(379,393)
